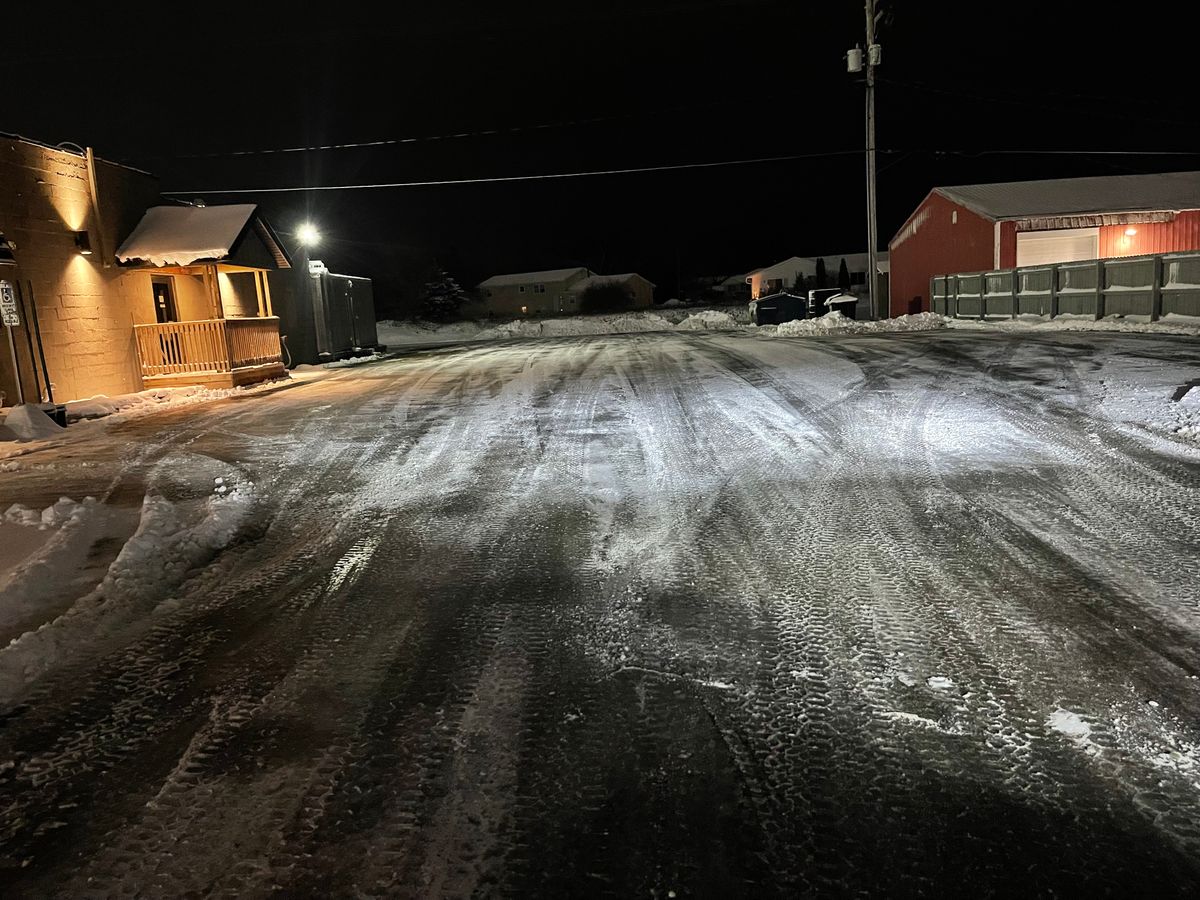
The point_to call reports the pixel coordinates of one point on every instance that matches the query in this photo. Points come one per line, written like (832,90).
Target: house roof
(591,280)
(1077,196)
(183,235)
(532,277)
(791,261)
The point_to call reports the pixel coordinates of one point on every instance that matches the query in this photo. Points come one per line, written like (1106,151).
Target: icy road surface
(627,616)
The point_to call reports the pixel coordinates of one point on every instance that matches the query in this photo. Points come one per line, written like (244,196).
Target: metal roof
(181,235)
(533,277)
(1075,196)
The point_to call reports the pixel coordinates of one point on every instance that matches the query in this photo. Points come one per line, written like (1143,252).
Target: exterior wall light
(83,243)
(1130,231)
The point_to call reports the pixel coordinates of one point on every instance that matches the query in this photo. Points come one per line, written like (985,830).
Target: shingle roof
(532,277)
(1077,196)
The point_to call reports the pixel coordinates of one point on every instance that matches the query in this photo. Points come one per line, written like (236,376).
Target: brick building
(198,314)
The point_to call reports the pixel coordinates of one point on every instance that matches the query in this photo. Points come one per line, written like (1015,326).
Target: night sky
(573,86)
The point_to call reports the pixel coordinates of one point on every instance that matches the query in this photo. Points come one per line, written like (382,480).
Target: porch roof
(184,235)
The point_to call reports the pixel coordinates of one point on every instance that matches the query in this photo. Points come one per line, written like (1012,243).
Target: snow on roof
(734,280)
(531,277)
(1075,196)
(623,278)
(787,264)
(180,235)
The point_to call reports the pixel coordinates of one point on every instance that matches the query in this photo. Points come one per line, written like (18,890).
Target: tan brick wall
(86,309)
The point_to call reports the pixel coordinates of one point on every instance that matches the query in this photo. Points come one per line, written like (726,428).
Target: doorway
(165,308)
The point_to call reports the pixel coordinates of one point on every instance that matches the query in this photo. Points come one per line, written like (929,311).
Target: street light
(308,235)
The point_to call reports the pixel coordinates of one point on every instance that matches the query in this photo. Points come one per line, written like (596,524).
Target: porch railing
(207,346)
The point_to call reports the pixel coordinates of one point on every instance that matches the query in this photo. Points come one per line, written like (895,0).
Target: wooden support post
(1014,280)
(258,292)
(219,311)
(1099,289)
(1156,290)
(267,292)
(1053,291)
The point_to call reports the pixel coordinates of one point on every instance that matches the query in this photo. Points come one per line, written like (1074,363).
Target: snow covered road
(644,615)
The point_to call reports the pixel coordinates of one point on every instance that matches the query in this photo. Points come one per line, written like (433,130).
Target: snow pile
(1187,415)
(1172,324)
(50,517)
(173,540)
(579,326)
(143,402)
(836,323)
(396,334)
(29,423)
(709,320)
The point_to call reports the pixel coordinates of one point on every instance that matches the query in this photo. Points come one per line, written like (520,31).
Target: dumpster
(778,308)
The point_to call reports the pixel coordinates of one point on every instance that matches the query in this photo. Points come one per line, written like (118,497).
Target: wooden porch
(211,352)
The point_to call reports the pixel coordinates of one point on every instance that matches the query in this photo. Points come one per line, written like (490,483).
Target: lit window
(524,309)
(521,289)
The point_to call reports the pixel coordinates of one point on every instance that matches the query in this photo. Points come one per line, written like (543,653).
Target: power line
(510,178)
(673,168)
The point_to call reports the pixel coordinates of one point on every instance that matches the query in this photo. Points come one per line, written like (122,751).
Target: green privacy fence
(1150,286)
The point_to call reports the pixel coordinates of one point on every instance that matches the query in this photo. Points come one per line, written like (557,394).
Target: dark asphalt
(640,616)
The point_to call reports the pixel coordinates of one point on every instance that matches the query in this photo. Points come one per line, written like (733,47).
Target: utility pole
(855,63)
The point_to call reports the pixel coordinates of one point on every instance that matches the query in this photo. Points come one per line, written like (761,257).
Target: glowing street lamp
(308,235)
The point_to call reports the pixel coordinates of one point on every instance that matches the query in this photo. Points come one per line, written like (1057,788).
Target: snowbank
(836,323)
(29,423)
(399,334)
(174,538)
(50,517)
(1181,325)
(144,402)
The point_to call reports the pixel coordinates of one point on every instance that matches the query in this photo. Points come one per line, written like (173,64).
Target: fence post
(1012,283)
(982,296)
(1099,289)
(1053,291)
(1156,290)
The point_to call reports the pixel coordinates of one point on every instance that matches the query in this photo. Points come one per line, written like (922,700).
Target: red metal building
(979,227)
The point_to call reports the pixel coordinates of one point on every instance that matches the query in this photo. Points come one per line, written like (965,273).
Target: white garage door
(1040,248)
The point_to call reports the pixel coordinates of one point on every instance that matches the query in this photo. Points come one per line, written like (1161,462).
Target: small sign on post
(11,318)
(8,304)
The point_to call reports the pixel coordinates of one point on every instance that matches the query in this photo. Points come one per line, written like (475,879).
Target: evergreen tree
(822,277)
(442,297)
(844,276)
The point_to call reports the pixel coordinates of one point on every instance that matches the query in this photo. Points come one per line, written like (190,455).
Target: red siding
(1156,237)
(937,246)
(1008,245)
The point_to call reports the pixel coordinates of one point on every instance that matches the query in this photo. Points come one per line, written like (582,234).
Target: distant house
(979,227)
(639,290)
(554,291)
(546,292)
(780,276)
